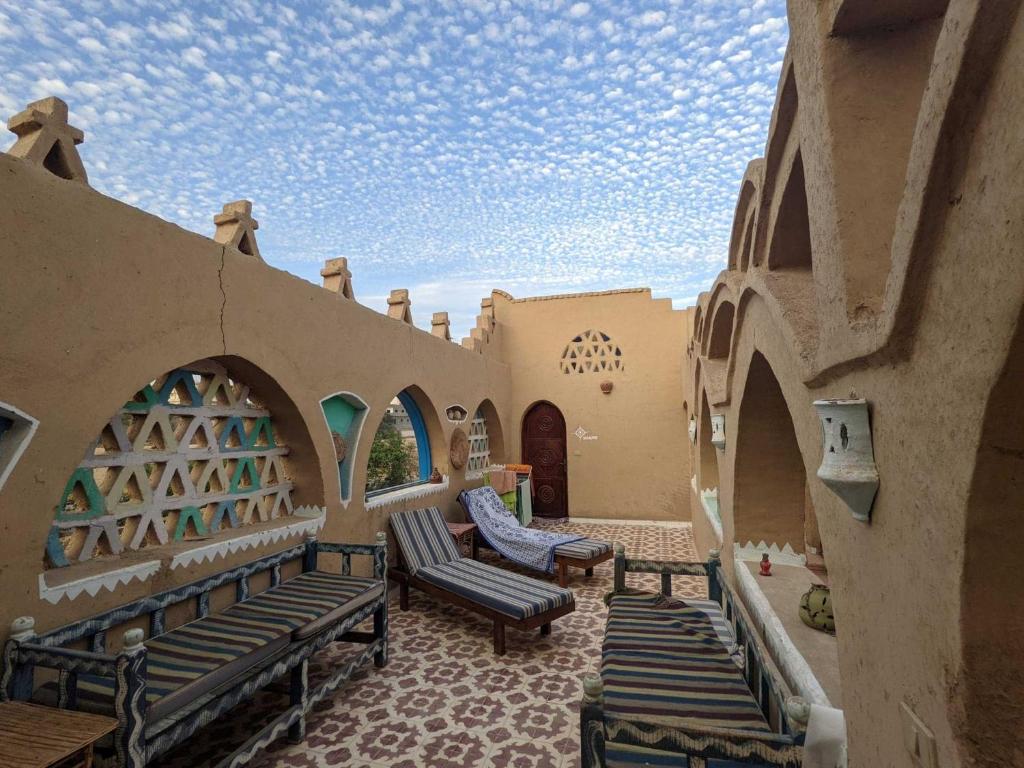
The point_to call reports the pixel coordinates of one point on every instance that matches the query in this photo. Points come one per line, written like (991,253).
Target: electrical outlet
(918,739)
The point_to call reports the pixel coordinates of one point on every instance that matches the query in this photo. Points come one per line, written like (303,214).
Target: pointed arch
(707,453)
(790,246)
(721,331)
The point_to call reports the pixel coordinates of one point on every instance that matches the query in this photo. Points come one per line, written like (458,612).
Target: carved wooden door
(544,448)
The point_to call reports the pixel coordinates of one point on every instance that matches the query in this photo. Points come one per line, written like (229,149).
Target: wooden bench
(164,688)
(684,678)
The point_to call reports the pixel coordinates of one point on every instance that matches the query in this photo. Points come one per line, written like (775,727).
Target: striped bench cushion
(193,659)
(631,755)
(583,549)
(517,596)
(423,537)
(666,658)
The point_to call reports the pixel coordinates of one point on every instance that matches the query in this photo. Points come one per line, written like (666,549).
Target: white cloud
(579,10)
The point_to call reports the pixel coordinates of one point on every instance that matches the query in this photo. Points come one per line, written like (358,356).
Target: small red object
(766,565)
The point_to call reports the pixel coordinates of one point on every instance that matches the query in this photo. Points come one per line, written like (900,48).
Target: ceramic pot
(816,609)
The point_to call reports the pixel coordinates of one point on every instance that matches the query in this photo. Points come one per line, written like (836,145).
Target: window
(344,414)
(479,445)
(400,454)
(190,454)
(591,352)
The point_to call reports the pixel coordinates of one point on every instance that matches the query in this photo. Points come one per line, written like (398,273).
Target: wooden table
(33,736)
(464,533)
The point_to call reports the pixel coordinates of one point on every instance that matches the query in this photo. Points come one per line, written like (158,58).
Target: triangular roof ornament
(237,228)
(45,138)
(440,326)
(399,305)
(337,277)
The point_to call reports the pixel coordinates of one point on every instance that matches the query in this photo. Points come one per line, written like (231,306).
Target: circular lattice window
(592,352)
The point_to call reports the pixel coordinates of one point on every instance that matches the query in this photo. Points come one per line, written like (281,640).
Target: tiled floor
(445,699)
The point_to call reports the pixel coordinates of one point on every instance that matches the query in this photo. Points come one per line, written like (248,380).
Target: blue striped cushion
(517,596)
(583,549)
(665,658)
(424,538)
(192,659)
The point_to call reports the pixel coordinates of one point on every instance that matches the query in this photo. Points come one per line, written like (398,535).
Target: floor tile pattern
(445,699)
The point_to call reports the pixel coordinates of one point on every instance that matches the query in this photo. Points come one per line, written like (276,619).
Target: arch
(344,414)
(208,446)
(721,331)
(791,237)
(486,438)
(992,590)
(769,486)
(698,318)
(744,212)
(707,453)
(592,352)
(747,246)
(413,417)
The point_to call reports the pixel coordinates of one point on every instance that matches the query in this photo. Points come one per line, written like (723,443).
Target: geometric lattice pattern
(479,446)
(190,454)
(591,352)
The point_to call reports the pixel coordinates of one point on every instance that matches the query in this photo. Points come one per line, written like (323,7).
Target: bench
(164,688)
(684,682)
(429,561)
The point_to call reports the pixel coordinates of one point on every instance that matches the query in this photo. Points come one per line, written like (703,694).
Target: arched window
(400,454)
(591,352)
(192,453)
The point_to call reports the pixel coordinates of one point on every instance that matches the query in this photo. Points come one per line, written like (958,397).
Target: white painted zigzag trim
(784,556)
(311,520)
(405,494)
(92,585)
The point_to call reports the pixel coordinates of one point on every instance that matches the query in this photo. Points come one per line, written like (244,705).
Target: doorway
(544,448)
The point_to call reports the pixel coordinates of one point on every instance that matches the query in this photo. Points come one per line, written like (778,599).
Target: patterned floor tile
(445,699)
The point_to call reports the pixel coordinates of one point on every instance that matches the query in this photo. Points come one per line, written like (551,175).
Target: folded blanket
(502,481)
(527,546)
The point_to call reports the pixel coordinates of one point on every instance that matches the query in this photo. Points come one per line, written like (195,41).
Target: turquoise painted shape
(149,399)
(245,465)
(344,417)
(175,378)
(54,550)
(236,426)
(186,514)
(263,426)
(224,509)
(93,497)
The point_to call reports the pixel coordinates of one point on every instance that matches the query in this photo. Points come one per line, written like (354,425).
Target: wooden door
(544,447)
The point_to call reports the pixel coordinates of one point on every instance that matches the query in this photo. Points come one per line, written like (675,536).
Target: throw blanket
(529,547)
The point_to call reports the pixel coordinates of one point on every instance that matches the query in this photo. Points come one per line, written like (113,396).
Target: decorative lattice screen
(591,352)
(479,446)
(190,454)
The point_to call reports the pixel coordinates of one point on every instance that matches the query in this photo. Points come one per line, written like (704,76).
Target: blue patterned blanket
(532,548)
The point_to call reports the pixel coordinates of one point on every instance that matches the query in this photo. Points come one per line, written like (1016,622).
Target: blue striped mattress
(424,538)
(584,549)
(506,592)
(670,659)
(192,659)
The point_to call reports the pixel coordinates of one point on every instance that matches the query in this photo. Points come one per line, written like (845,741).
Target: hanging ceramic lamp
(848,459)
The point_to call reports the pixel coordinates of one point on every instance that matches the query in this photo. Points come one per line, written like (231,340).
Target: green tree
(392,460)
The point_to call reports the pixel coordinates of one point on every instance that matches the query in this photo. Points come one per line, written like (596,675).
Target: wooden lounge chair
(582,553)
(429,560)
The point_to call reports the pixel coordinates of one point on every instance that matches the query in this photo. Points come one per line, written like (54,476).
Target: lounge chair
(540,550)
(429,560)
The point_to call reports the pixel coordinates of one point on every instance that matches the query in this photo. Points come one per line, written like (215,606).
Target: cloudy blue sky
(445,147)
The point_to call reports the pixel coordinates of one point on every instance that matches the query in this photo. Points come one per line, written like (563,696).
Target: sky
(445,147)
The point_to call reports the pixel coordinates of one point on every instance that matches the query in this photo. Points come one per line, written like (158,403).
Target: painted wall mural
(190,454)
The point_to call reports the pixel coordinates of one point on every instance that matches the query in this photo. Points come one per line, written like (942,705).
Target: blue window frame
(405,417)
(419,429)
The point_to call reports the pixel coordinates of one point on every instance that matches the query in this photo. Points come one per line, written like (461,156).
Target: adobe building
(844,396)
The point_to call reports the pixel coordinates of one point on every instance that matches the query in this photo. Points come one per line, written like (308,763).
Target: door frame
(565,428)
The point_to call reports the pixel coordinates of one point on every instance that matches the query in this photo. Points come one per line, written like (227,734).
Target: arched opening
(544,448)
(791,239)
(721,331)
(707,477)
(992,591)
(407,444)
(748,243)
(207,447)
(769,497)
(486,438)
(698,318)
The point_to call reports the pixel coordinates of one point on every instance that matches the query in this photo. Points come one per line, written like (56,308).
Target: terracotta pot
(607,387)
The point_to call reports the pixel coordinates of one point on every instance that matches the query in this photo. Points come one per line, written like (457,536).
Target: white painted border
(752,552)
(419,491)
(781,649)
(92,585)
(354,448)
(311,520)
(715,521)
(27,426)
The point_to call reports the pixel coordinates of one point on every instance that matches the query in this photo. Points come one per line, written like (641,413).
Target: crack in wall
(223,300)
